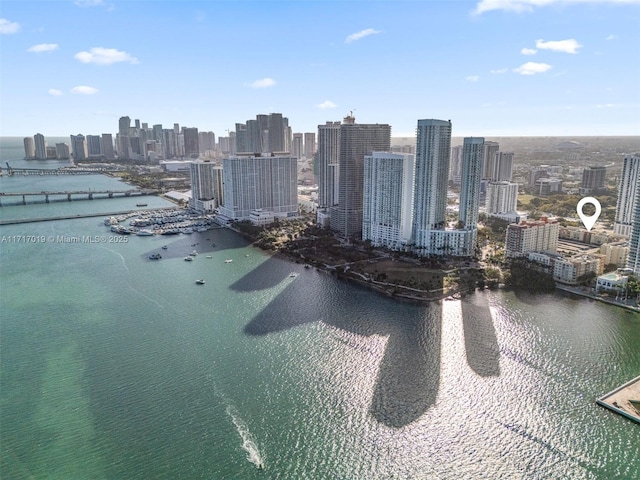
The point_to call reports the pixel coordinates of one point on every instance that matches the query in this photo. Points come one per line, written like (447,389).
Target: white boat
(228,260)
(193,254)
(293,274)
(144,232)
(188,259)
(209,256)
(200,282)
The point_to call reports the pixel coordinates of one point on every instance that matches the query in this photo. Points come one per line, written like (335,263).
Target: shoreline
(577,291)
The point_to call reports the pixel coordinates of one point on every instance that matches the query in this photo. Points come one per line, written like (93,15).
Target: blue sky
(493,67)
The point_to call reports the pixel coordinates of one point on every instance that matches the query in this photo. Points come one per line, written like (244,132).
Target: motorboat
(155,256)
(188,259)
(200,282)
(228,260)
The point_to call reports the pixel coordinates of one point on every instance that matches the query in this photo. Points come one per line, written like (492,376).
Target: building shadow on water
(480,340)
(408,377)
(409,372)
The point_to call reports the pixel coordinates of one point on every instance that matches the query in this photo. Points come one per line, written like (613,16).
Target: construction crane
(9,170)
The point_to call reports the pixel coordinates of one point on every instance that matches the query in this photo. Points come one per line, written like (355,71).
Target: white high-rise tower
(627,194)
(433,149)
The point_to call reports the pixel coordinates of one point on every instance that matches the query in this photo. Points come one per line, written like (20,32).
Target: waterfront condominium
(356,141)
(254,182)
(429,233)
(40,146)
(327,168)
(433,147)
(627,194)
(633,261)
(388,199)
(29,148)
(473,149)
(206,186)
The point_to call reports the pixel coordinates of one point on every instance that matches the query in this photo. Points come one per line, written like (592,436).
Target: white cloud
(498,71)
(326,104)
(263,83)
(531,68)
(105,56)
(43,47)
(612,37)
(7,27)
(472,78)
(529,5)
(528,51)
(84,90)
(567,46)
(361,34)
(55,92)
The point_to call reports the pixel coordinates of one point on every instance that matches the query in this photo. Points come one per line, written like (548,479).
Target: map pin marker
(589,221)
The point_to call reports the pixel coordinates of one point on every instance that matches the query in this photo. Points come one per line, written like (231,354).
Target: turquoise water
(115,366)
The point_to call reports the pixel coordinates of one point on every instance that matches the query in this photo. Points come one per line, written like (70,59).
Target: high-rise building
(268,183)
(205,185)
(593,178)
(29,148)
(309,144)
(433,147)
(107,146)
(473,151)
(94,146)
(627,194)
(191,144)
(490,149)
(241,139)
(633,261)
(297,145)
(502,197)
(455,169)
(79,147)
(124,125)
(532,236)
(388,199)
(502,167)
(41,146)
(356,141)
(276,134)
(207,141)
(62,151)
(327,164)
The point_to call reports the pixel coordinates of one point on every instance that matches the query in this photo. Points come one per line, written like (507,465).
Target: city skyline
(508,68)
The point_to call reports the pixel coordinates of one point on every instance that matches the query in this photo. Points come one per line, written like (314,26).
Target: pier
(71,217)
(624,400)
(89,194)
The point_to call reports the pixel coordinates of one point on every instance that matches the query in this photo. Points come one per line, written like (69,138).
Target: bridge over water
(9,171)
(90,194)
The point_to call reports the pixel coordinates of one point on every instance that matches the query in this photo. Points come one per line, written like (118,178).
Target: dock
(624,400)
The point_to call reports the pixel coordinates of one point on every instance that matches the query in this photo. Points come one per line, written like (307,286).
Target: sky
(492,67)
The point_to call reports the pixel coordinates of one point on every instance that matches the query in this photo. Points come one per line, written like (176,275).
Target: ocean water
(114,366)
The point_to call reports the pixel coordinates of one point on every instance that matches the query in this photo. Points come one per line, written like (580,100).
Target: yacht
(193,254)
(144,232)
(188,259)
(228,260)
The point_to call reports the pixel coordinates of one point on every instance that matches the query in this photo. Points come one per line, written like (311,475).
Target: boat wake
(248,442)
